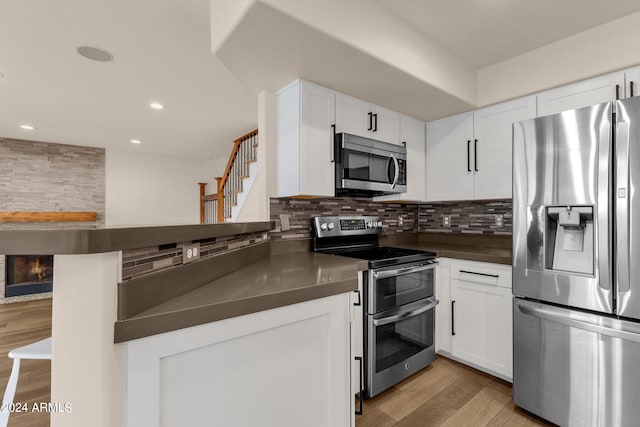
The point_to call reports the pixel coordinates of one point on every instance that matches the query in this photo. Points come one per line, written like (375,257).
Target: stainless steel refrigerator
(576,265)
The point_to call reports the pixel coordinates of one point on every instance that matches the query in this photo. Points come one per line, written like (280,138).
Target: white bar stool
(37,350)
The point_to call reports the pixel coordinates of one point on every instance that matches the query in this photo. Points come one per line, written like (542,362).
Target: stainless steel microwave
(366,167)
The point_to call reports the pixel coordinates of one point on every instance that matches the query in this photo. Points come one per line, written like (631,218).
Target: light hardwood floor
(21,324)
(445,394)
(448,394)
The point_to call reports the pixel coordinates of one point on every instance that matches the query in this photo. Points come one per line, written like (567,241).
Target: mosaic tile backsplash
(144,261)
(466,216)
(300,212)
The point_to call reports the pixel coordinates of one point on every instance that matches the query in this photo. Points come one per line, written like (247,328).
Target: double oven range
(398,320)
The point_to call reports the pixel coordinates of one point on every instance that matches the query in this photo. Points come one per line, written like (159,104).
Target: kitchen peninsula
(141,337)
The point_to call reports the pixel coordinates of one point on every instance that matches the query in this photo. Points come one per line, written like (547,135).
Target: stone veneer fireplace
(27,274)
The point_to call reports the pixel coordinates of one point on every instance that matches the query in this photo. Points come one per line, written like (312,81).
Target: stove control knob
(331,226)
(379,223)
(323,226)
(369,225)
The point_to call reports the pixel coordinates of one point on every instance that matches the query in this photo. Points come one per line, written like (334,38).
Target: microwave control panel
(402,172)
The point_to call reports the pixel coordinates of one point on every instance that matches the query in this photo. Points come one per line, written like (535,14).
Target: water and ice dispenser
(569,239)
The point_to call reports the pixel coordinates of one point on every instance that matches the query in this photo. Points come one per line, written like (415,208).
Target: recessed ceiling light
(1,76)
(27,127)
(95,53)
(156,106)
(136,141)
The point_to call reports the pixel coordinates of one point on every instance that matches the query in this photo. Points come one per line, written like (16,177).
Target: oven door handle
(392,319)
(401,271)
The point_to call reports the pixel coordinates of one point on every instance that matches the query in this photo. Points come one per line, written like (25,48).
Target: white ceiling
(162,53)
(488,31)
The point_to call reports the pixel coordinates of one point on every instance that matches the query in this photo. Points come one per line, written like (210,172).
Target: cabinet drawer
(482,272)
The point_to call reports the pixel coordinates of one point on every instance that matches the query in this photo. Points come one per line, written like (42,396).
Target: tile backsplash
(300,212)
(466,216)
(478,216)
(144,261)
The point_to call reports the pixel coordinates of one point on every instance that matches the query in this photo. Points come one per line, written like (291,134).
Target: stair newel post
(220,204)
(202,185)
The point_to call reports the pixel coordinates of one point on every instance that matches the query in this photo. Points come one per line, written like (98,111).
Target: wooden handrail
(221,181)
(234,154)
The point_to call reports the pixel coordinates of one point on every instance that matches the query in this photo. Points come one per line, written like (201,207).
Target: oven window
(365,167)
(395,291)
(396,342)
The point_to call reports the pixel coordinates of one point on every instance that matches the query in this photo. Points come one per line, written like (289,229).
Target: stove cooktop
(384,256)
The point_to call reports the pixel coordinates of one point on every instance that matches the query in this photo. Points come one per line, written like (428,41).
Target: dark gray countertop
(271,282)
(88,241)
(493,248)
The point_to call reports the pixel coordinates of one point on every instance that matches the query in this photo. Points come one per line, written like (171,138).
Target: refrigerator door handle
(622,207)
(557,316)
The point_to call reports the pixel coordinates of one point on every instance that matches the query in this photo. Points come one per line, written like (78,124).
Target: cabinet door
(386,125)
(482,325)
(581,94)
(317,114)
(412,131)
(443,309)
(352,115)
(632,82)
(492,146)
(449,158)
(357,340)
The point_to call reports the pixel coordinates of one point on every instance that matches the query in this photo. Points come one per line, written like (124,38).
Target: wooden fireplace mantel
(47,216)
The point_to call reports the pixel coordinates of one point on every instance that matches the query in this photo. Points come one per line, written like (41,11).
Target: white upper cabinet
(359,117)
(412,133)
(582,94)
(386,125)
(632,82)
(306,113)
(449,158)
(469,155)
(492,128)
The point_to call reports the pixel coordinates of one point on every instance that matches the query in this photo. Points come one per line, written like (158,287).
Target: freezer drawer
(575,368)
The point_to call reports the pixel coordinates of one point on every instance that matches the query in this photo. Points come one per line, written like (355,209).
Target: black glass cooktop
(383,256)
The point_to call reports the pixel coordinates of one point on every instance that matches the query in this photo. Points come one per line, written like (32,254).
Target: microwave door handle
(392,319)
(401,271)
(396,173)
(389,179)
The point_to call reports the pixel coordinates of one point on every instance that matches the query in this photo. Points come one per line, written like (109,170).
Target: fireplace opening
(28,274)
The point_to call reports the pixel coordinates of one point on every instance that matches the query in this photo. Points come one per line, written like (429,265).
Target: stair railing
(217,207)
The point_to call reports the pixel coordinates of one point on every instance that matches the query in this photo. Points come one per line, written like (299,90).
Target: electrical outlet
(284,222)
(446,220)
(400,220)
(499,221)
(190,252)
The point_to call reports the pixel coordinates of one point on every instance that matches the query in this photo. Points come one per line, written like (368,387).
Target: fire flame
(40,271)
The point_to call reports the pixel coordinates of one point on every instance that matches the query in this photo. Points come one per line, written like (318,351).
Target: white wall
(606,48)
(153,189)
(256,205)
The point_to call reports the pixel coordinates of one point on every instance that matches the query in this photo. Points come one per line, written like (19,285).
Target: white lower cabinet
(443,309)
(478,316)
(357,341)
(287,366)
